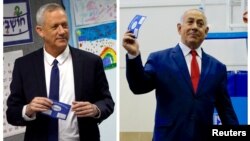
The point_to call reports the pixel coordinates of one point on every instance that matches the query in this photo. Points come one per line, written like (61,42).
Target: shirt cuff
(130,56)
(98,112)
(27,118)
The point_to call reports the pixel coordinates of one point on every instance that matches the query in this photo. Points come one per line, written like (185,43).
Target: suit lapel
(78,70)
(205,66)
(181,63)
(38,63)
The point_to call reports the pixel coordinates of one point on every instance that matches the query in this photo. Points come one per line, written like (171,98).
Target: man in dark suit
(83,84)
(188,86)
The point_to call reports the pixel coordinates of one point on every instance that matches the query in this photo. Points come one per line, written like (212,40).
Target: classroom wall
(159,32)
(27,48)
(108,126)
(37,42)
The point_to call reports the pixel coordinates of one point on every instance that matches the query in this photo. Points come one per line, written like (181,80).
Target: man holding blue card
(188,83)
(58,92)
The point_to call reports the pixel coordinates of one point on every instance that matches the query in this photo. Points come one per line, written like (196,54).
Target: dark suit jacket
(29,82)
(182,115)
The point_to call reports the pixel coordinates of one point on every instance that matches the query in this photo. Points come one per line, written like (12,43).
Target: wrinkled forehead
(53,11)
(194,14)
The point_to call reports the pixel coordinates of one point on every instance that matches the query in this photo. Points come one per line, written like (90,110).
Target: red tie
(195,73)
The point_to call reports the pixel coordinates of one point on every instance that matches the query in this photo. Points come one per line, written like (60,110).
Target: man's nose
(61,29)
(194,25)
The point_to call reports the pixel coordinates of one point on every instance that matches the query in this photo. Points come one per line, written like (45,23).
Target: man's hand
(130,43)
(38,104)
(85,109)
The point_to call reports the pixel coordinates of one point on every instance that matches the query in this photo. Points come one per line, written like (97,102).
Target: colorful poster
(16,22)
(100,40)
(94,11)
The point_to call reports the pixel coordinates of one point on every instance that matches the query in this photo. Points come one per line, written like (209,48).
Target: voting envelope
(58,110)
(135,24)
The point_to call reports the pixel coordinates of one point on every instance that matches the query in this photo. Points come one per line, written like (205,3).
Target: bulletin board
(93,23)
(93,29)
(9,59)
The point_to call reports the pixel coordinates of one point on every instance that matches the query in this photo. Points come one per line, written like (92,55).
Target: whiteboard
(8,61)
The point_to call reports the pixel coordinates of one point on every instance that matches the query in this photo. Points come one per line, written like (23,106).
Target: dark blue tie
(54,94)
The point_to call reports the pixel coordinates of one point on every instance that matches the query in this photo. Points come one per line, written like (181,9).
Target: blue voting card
(135,24)
(58,110)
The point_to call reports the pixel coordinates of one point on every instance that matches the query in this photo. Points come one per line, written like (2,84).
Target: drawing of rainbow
(108,56)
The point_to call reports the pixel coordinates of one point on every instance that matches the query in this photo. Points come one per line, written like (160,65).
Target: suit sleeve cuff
(27,118)
(130,56)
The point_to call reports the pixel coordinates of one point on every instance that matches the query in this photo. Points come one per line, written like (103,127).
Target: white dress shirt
(68,129)
(188,56)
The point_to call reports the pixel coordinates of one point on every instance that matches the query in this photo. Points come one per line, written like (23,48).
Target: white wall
(158,32)
(108,126)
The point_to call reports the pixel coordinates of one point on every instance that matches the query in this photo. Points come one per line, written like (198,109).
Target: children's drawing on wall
(100,40)
(94,11)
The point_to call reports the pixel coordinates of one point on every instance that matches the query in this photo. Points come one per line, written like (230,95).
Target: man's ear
(39,31)
(206,30)
(179,28)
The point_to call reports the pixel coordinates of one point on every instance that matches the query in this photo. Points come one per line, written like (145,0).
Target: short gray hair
(47,7)
(199,10)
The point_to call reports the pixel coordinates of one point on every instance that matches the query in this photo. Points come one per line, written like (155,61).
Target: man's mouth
(62,39)
(193,35)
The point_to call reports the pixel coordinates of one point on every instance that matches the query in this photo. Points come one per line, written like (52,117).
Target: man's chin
(62,43)
(193,43)
(194,40)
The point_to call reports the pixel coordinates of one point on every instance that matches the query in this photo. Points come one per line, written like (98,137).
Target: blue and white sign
(16,23)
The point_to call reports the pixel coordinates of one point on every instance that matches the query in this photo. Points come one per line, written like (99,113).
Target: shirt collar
(186,50)
(61,58)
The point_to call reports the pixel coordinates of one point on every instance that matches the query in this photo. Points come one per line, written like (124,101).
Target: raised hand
(130,43)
